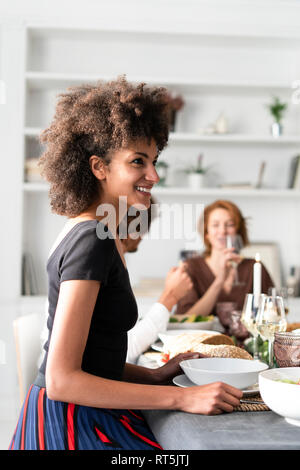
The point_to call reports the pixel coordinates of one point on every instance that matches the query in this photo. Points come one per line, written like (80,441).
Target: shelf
(234,138)
(32,131)
(286,39)
(35,187)
(185,191)
(46,80)
(265,193)
(189,137)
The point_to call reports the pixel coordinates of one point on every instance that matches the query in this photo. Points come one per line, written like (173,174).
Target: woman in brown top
(212,273)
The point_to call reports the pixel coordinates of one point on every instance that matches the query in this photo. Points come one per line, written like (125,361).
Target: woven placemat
(253,406)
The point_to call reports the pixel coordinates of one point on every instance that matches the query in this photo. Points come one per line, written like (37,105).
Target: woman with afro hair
(103,143)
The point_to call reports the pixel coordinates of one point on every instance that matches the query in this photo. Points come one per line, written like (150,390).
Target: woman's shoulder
(83,254)
(85,237)
(92,235)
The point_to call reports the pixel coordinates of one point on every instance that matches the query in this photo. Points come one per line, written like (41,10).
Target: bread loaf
(292,326)
(222,350)
(217,339)
(189,342)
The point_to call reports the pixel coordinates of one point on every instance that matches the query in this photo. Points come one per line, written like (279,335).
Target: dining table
(239,430)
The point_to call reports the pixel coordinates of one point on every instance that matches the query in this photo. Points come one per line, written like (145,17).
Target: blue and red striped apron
(46,424)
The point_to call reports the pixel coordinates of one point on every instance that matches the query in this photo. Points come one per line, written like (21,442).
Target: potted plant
(277,109)
(162,171)
(196,174)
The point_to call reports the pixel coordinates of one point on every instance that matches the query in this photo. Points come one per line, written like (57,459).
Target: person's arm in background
(145,332)
(193,305)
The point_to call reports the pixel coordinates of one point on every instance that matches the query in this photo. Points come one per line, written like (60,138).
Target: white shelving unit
(233,73)
(186,191)
(185,137)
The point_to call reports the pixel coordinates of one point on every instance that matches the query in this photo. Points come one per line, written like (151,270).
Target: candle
(256,279)
(271,314)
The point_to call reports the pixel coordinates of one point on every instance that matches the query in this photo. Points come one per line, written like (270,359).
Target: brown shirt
(202,277)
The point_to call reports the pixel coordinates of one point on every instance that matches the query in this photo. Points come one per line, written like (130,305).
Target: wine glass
(236,242)
(270,319)
(237,328)
(248,319)
(282,292)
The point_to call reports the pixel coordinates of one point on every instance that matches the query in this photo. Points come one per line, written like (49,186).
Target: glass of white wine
(270,320)
(236,242)
(248,318)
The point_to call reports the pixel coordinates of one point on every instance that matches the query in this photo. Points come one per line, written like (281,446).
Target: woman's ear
(98,167)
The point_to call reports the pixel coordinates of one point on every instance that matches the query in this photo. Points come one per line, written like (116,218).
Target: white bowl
(198,325)
(240,373)
(282,398)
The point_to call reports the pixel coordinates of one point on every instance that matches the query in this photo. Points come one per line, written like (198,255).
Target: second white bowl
(240,373)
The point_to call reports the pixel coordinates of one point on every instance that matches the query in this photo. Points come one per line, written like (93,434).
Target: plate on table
(184,381)
(166,335)
(158,346)
(196,325)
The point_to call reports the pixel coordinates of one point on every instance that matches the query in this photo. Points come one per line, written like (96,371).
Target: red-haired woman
(212,273)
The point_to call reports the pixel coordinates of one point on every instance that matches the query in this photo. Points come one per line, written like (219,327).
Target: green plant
(162,168)
(198,168)
(161,164)
(277,109)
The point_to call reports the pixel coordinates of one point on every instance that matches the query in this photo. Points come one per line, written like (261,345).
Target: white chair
(27,333)
(270,256)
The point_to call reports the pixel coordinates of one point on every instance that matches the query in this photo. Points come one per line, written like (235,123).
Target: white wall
(232,17)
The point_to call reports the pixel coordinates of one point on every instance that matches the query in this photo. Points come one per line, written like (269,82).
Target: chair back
(27,333)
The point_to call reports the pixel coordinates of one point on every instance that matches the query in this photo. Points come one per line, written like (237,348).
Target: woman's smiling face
(131,173)
(220,224)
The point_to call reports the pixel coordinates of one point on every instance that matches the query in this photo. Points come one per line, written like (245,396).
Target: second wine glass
(248,319)
(270,319)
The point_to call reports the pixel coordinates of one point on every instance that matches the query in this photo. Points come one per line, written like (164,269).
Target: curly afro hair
(96,120)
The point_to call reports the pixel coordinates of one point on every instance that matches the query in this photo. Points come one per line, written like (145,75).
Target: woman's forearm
(207,302)
(141,375)
(86,389)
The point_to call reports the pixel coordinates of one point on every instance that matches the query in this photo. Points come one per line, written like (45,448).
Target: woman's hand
(225,270)
(164,374)
(210,399)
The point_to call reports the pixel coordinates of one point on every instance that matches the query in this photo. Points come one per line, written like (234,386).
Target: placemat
(252,406)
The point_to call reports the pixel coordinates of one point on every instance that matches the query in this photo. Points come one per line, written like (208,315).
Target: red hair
(239,220)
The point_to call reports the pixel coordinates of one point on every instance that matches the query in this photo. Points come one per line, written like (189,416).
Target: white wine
(267,330)
(250,324)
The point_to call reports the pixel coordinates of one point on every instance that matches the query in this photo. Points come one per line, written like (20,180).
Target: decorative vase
(196,180)
(276,129)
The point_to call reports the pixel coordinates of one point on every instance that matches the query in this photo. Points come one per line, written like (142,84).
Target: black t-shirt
(83,255)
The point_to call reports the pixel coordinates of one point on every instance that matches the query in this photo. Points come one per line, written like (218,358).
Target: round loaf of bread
(222,350)
(217,339)
(292,326)
(188,342)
